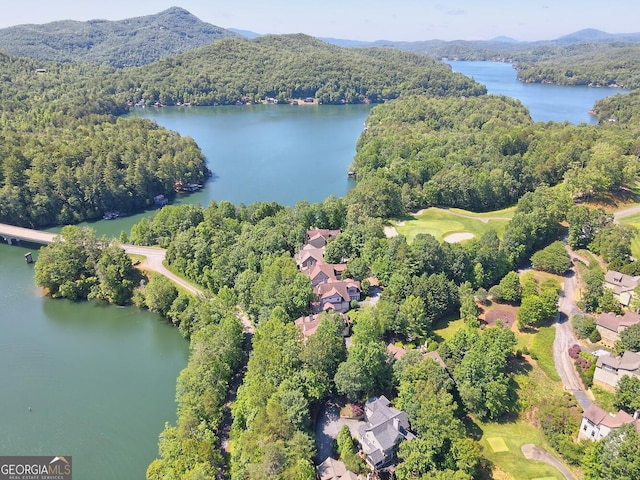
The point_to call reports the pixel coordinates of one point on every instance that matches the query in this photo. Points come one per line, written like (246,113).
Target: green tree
(553,259)
(629,339)
(615,456)
(628,394)
(117,276)
(159,294)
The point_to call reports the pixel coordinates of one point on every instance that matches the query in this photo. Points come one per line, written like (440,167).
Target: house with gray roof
(609,369)
(383,430)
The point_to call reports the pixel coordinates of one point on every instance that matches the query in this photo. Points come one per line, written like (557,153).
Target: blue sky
(360,20)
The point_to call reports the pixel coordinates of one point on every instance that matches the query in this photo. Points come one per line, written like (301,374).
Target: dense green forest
(621,109)
(600,65)
(481,154)
(287,67)
(130,42)
(65,156)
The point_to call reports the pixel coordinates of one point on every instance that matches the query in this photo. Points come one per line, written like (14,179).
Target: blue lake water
(546,102)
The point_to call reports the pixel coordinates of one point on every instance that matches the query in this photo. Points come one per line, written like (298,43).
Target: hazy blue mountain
(504,39)
(133,41)
(591,35)
(245,33)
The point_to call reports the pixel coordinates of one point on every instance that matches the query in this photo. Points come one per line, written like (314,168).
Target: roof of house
(332,469)
(323,268)
(598,416)
(436,356)
(328,289)
(620,281)
(629,361)
(309,251)
(309,324)
(613,322)
(323,233)
(384,427)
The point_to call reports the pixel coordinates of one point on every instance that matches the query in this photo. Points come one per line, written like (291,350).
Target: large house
(610,326)
(609,370)
(383,430)
(308,256)
(597,423)
(337,295)
(622,286)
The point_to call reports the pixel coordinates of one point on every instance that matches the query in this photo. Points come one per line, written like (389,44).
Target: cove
(279,153)
(100,380)
(546,102)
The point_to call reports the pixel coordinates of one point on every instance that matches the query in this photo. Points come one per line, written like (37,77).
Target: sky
(410,20)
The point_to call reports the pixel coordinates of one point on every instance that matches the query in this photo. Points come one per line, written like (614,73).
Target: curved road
(533,452)
(565,338)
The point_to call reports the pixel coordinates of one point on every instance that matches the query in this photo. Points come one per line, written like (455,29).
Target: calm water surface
(545,102)
(282,153)
(100,380)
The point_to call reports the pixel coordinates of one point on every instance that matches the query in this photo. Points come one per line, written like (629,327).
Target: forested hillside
(66,157)
(287,67)
(600,64)
(621,109)
(481,153)
(129,42)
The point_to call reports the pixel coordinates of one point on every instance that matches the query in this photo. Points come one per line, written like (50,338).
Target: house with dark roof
(610,326)
(383,430)
(598,423)
(609,369)
(622,286)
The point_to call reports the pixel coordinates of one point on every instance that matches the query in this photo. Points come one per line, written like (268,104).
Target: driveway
(328,425)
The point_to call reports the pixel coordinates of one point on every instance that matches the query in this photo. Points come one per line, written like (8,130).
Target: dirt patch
(505,313)
(458,237)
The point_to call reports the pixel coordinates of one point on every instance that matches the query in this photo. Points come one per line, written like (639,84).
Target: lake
(279,153)
(546,102)
(101,380)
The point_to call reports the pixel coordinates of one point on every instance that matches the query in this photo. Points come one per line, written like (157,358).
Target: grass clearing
(604,398)
(542,348)
(441,222)
(445,328)
(512,461)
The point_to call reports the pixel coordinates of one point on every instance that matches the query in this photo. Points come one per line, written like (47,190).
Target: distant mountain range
(129,42)
(142,40)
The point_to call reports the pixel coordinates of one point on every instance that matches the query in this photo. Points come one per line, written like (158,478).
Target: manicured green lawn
(441,222)
(512,460)
(634,220)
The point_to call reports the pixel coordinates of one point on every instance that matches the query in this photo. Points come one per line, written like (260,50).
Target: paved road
(155,257)
(626,212)
(328,425)
(565,338)
(533,452)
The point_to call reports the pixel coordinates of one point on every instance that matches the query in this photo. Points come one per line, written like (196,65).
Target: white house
(597,423)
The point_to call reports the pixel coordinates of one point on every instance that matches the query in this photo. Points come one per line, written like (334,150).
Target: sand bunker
(390,232)
(458,237)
